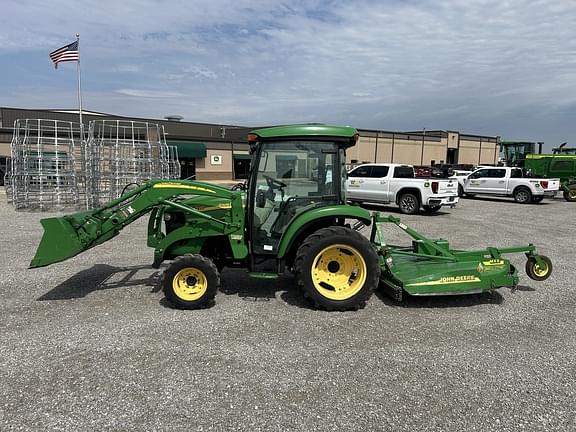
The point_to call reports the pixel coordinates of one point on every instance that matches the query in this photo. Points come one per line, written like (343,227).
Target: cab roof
(306,130)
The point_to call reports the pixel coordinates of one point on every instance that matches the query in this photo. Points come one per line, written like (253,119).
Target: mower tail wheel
(539,272)
(337,269)
(191,282)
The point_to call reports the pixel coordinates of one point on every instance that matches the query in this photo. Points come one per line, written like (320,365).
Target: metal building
(217,152)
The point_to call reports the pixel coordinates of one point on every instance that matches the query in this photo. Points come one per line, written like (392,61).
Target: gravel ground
(90,344)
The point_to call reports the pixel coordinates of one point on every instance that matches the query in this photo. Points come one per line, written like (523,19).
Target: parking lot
(90,344)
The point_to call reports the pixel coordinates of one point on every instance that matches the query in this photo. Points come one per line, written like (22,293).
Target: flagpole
(80,91)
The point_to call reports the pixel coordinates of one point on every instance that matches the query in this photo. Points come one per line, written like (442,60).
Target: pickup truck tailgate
(553,184)
(447,187)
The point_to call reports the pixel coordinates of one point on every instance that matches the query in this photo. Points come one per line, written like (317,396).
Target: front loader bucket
(59,242)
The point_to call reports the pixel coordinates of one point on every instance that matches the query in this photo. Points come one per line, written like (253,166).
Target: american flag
(65,54)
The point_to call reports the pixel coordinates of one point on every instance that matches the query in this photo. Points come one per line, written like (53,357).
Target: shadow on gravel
(237,282)
(443,301)
(504,200)
(103,277)
(525,288)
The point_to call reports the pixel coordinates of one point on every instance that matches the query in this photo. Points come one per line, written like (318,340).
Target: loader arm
(67,236)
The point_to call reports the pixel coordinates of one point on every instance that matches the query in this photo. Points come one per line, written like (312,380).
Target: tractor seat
(261,214)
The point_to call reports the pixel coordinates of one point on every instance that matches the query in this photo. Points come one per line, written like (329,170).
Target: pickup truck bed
(395,183)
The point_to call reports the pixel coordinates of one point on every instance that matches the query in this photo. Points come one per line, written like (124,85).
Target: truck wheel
(432,209)
(522,195)
(337,269)
(191,282)
(570,194)
(538,198)
(409,203)
(537,273)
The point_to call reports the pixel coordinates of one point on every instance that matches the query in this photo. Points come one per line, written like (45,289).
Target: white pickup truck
(507,181)
(395,183)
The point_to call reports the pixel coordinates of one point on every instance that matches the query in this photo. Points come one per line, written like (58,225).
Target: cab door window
(479,174)
(403,172)
(516,173)
(379,171)
(497,173)
(362,171)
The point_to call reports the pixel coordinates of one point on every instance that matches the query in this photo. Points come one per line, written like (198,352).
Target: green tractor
(558,165)
(292,216)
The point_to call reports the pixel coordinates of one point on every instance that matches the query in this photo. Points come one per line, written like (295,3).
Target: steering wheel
(272,183)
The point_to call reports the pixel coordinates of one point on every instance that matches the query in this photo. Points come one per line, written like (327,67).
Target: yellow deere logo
(168,185)
(449,280)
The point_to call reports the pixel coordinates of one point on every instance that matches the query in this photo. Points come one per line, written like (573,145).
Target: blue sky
(479,66)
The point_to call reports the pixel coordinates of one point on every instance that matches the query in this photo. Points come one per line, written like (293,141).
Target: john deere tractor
(293,216)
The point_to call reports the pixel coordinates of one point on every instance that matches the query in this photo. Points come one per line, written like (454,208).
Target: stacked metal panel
(121,153)
(52,169)
(7,181)
(43,172)
(174,168)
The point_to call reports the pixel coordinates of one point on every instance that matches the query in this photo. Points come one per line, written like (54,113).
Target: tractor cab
(295,169)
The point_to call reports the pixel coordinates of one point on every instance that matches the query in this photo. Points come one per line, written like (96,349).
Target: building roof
(174,129)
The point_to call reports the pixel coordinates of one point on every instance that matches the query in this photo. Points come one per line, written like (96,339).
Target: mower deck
(431,268)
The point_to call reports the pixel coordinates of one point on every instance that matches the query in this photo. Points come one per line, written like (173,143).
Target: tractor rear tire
(191,282)
(570,194)
(537,273)
(431,209)
(522,195)
(337,269)
(409,203)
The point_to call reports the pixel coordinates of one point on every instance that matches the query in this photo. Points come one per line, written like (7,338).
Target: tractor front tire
(570,194)
(337,269)
(409,203)
(191,282)
(522,195)
(536,272)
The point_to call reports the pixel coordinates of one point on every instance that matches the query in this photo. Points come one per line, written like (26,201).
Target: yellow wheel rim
(572,193)
(190,284)
(338,272)
(541,271)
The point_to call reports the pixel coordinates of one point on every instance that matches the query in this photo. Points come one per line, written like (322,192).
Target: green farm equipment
(558,165)
(292,216)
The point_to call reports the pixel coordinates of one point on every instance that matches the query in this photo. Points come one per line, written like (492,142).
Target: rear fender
(523,186)
(414,191)
(301,224)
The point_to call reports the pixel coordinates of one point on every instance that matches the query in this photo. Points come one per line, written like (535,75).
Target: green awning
(242,156)
(189,149)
